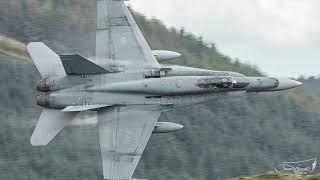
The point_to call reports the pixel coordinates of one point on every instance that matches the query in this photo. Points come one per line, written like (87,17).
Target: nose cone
(179,126)
(285,83)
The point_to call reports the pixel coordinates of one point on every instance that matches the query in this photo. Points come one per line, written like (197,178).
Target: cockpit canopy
(222,82)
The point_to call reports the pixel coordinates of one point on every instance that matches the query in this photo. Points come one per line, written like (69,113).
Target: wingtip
(37,142)
(32,45)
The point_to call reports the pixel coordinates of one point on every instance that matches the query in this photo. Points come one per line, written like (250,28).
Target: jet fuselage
(180,86)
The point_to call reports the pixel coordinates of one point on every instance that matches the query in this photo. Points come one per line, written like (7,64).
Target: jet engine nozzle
(43,100)
(43,85)
(57,83)
(166,127)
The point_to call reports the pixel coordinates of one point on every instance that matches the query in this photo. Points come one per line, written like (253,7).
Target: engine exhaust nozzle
(43,100)
(43,85)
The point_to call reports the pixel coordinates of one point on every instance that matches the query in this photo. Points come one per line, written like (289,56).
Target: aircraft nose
(285,83)
(180,126)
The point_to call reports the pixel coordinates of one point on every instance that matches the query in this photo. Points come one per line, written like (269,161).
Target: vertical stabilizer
(48,62)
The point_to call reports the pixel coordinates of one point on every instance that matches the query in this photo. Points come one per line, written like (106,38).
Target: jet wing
(124,133)
(119,39)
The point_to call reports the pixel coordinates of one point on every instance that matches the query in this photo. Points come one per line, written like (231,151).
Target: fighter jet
(127,88)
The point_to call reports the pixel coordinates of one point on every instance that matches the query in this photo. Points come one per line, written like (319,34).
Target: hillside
(278,177)
(222,139)
(312,85)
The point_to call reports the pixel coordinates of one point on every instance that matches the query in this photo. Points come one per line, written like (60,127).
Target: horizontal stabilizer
(47,62)
(84,108)
(78,65)
(50,123)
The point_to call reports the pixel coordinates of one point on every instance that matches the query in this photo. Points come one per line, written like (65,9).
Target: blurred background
(222,139)
(271,34)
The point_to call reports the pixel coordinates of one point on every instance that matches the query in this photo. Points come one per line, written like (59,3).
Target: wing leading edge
(124,133)
(119,39)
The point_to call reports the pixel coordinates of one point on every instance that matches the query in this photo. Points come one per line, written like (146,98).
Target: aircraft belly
(63,100)
(161,86)
(102,90)
(60,100)
(187,100)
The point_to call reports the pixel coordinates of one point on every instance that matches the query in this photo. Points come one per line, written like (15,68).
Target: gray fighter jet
(127,88)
